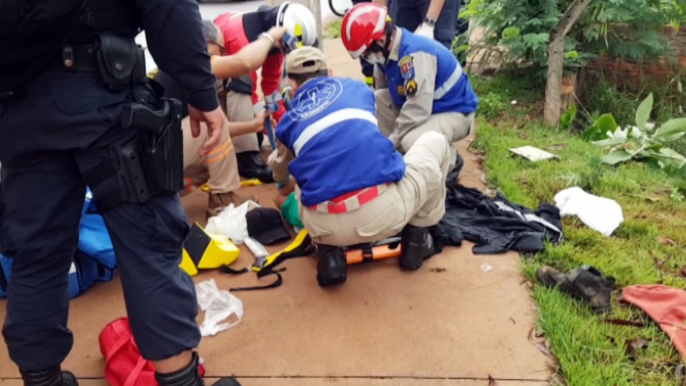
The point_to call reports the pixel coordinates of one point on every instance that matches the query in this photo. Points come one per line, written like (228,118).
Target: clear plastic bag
(219,305)
(231,223)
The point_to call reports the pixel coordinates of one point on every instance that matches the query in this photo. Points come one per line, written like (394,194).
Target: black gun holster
(151,161)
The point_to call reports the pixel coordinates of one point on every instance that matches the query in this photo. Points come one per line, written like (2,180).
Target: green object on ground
(289,210)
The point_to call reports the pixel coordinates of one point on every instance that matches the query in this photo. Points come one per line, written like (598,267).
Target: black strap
(265,272)
(230,271)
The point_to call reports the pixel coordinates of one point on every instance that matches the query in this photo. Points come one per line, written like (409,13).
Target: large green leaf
(615,157)
(610,141)
(671,128)
(667,152)
(670,138)
(678,182)
(568,117)
(605,123)
(671,157)
(643,112)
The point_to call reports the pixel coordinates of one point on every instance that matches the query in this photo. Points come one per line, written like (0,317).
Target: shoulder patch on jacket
(406,67)
(411,87)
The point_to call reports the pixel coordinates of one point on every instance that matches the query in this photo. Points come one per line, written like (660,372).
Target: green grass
(333,30)
(590,352)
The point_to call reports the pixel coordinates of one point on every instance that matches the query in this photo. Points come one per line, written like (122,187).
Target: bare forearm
(241,128)
(435,9)
(381,2)
(245,61)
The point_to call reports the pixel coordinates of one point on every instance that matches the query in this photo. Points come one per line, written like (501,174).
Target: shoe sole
(412,264)
(335,279)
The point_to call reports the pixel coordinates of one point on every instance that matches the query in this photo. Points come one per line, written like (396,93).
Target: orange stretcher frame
(381,250)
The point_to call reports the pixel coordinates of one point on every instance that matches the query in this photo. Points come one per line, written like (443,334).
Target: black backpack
(31,34)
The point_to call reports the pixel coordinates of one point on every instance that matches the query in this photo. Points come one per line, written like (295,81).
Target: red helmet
(362,25)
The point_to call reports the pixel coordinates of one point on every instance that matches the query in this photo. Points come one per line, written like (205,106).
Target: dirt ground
(450,323)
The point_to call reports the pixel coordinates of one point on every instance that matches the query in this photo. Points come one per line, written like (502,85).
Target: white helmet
(298,21)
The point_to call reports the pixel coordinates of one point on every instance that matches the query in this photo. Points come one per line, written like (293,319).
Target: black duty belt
(76,58)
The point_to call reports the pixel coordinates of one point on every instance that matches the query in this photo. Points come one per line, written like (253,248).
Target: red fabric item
(231,25)
(280,112)
(124,365)
(666,306)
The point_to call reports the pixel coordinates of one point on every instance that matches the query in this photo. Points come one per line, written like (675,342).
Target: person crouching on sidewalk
(219,169)
(242,100)
(352,185)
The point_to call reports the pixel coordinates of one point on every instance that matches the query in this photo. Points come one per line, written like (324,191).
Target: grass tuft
(333,29)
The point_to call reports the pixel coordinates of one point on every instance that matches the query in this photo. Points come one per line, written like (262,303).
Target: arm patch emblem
(406,67)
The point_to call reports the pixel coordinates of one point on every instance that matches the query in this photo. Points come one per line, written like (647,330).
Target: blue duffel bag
(75,278)
(94,259)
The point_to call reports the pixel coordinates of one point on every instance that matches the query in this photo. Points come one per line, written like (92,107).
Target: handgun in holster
(160,150)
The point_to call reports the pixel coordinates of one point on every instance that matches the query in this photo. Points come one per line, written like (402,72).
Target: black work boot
(190,376)
(332,267)
(51,377)
(585,283)
(416,246)
(251,165)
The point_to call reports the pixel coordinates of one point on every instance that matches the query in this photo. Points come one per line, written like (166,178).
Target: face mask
(373,59)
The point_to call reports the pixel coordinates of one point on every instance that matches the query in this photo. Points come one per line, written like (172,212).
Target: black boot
(332,268)
(190,376)
(586,284)
(52,377)
(251,165)
(416,246)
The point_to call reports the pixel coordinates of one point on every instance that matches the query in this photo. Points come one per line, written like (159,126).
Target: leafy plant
(568,117)
(491,105)
(644,142)
(602,127)
(519,31)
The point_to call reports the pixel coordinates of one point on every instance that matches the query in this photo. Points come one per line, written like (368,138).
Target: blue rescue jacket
(332,131)
(453,92)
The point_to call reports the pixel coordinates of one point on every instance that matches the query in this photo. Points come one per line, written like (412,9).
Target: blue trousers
(51,139)
(410,14)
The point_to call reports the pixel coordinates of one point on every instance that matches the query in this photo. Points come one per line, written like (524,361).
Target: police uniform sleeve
(176,41)
(419,87)
(278,162)
(380,81)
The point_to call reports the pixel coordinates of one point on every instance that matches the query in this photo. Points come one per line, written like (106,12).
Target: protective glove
(425,30)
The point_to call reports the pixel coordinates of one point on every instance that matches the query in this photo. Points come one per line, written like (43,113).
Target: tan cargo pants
(418,199)
(239,109)
(454,126)
(219,169)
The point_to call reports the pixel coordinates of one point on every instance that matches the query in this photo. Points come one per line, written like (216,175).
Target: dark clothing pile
(494,225)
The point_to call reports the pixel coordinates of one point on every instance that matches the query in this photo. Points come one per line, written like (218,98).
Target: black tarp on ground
(494,225)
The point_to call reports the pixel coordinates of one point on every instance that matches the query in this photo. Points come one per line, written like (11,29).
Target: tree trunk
(556,56)
(553,97)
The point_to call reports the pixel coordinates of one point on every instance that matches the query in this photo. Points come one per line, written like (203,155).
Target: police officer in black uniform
(77,110)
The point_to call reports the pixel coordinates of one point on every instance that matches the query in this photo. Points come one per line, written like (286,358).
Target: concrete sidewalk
(449,323)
